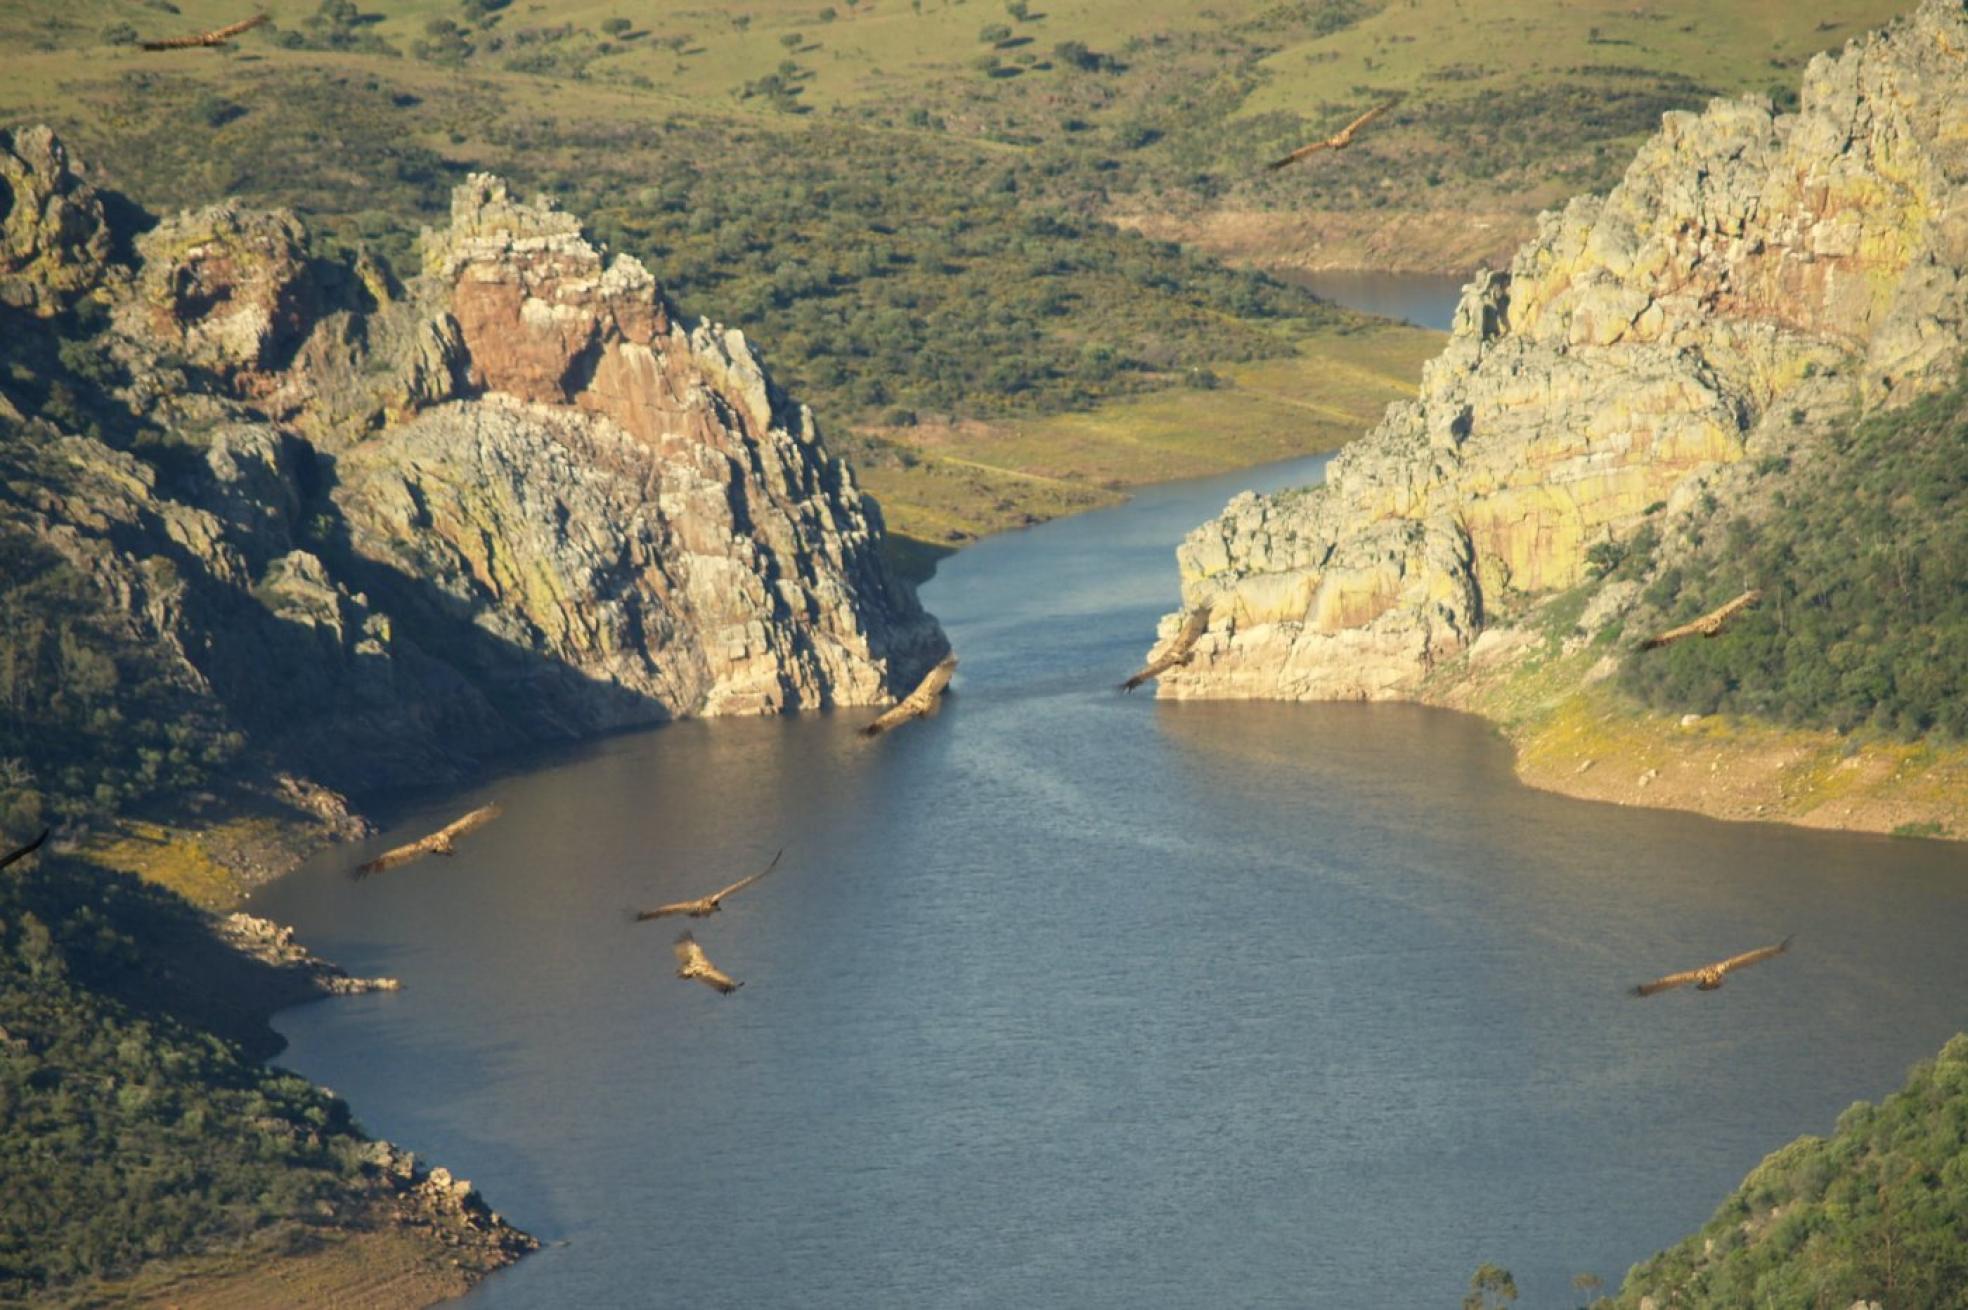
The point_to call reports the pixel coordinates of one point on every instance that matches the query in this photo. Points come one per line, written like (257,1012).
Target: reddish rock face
(544,320)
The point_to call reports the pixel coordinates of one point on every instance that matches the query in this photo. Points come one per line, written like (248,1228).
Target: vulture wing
(26,850)
(472,822)
(1368,117)
(743,883)
(918,702)
(689,954)
(396,858)
(674,907)
(217,36)
(1194,625)
(1708,625)
(1663,984)
(1299,154)
(1756,956)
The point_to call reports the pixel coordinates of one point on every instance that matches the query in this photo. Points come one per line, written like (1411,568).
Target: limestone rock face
(379,531)
(1747,265)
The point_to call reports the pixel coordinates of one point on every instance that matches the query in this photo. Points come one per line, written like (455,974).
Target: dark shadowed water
(1073,999)
(1424,299)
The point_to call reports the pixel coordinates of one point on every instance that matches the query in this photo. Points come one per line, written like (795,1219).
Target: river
(1069,998)
(1424,299)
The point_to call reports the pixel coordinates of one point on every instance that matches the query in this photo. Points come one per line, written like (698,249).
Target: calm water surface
(1425,299)
(1066,998)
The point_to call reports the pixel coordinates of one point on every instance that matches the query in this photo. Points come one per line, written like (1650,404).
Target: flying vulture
(441,842)
(1338,141)
(1708,625)
(1180,651)
(1709,976)
(217,36)
(705,906)
(918,702)
(693,963)
(28,849)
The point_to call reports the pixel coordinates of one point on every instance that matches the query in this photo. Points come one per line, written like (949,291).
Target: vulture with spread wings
(1180,651)
(704,906)
(441,842)
(1337,141)
(1709,976)
(918,702)
(26,850)
(217,36)
(1708,625)
(693,963)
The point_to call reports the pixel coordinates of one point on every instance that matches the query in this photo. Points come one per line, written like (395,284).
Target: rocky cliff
(1754,278)
(276,514)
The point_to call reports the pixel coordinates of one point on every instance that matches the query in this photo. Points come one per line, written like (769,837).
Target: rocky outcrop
(345,530)
(450,1210)
(228,288)
(54,238)
(622,496)
(1751,271)
(273,945)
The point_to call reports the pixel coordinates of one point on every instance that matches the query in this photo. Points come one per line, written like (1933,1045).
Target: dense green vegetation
(1876,1213)
(130,1130)
(902,285)
(1862,555)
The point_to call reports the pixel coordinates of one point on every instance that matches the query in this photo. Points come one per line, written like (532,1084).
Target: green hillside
(1860,552)
(1875,1213)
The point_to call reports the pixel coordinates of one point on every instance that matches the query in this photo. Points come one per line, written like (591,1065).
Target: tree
(1490,1288)
(1588,1286)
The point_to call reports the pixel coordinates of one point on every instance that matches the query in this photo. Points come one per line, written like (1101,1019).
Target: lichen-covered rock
(226,287)
(54,239)
(1749,265)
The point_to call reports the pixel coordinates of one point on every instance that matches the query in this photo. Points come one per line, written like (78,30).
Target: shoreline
(1575,735)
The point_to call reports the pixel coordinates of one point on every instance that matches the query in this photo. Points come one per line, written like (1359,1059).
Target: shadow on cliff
(428,704)
(440,699)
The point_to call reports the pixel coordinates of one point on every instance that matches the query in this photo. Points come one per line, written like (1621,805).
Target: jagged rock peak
(489,227)
(1748,267)
(54,238)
